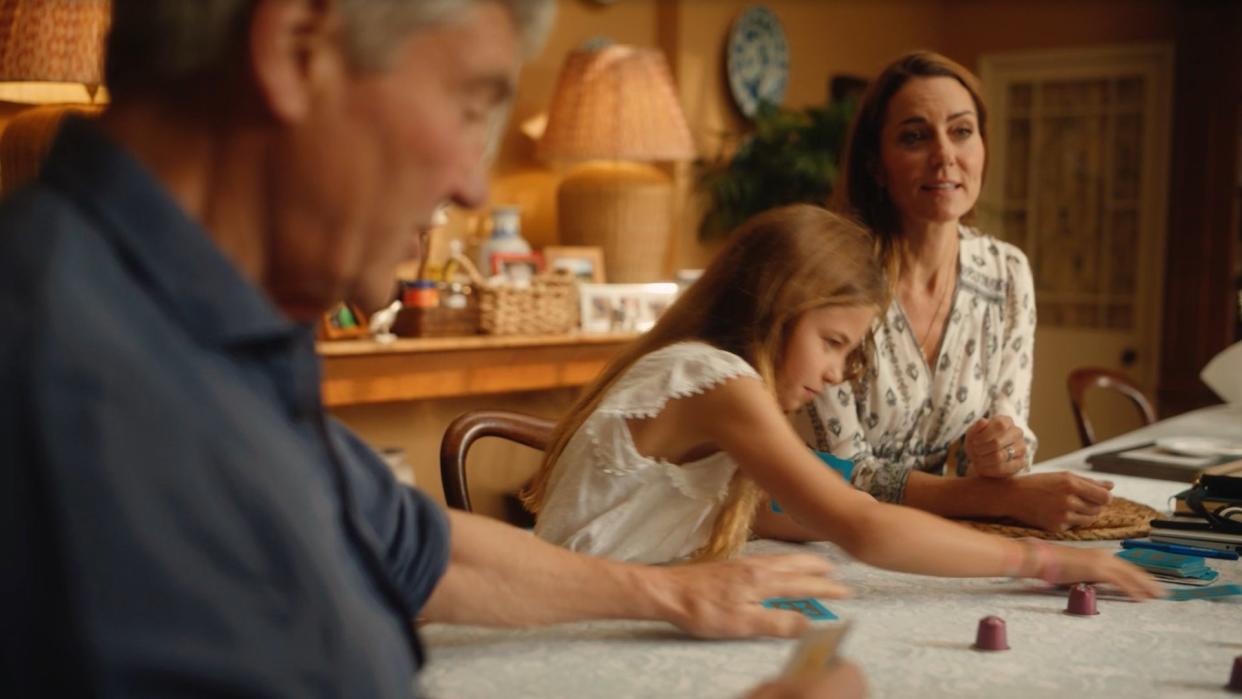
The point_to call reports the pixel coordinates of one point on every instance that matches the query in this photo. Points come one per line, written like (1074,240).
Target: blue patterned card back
(807,606)
(1165,562)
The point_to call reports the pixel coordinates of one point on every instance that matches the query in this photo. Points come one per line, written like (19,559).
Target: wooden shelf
(364,371)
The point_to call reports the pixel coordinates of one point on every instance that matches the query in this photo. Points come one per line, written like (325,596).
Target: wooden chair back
(1085,378)
(462,433)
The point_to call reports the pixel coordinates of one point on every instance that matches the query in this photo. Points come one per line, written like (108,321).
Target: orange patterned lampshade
(616,103)
(51,50)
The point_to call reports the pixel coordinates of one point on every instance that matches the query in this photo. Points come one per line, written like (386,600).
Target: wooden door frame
(1200,309)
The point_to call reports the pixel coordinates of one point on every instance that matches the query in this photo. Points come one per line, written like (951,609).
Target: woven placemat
(1121,519)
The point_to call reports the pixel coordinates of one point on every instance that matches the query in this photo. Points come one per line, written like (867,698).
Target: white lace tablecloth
(911,636)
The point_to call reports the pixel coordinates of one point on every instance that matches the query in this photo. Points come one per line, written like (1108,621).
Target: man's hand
(1057,501)
(996,447)
(841,681)
(722,600)
(501,576)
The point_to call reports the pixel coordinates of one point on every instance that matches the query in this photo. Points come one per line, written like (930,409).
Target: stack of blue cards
(1171,567)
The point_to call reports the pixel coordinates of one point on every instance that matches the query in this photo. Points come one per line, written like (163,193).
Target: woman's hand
(995,447)
(1056,501)
(1063,564)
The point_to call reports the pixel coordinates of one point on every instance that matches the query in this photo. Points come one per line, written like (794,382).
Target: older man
(182,517)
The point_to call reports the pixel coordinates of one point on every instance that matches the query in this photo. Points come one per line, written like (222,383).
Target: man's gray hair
(163,42)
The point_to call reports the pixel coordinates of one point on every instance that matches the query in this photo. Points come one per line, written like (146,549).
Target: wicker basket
(437,321)
(549,306)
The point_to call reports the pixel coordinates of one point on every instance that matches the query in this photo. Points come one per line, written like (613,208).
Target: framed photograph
(345,321)
(614,308)
(519,268)
(584,262)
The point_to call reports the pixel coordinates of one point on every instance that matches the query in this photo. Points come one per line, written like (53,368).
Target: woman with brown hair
(949,389)
(663,457)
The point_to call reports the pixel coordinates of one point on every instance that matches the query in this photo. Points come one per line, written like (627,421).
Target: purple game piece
(1235,679)
(991,634)
(1081,600)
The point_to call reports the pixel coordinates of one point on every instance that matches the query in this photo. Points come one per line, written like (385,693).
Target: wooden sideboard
(357,372)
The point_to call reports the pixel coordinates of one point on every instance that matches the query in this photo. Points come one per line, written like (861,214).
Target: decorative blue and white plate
(758,60)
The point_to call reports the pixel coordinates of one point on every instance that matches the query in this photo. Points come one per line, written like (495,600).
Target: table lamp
(51,52)
(614,112)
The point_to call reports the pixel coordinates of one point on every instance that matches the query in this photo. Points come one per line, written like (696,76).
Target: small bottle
(506,237)
(422,293)
(455,295)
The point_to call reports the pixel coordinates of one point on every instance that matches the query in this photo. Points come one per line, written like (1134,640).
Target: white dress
(606,499)
(901,415)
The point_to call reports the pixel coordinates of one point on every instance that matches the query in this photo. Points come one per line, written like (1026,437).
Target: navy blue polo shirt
(180,517)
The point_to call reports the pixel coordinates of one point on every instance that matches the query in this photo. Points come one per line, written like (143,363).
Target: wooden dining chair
(462,433)
(1083,379)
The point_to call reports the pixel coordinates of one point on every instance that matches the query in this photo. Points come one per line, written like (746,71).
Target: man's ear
(294,49)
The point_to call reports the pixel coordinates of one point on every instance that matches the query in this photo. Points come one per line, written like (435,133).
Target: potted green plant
(791,156)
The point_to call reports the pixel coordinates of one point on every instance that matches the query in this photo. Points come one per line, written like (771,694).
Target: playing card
(816,649)
(1165,563)
(810,608)
(1207,579)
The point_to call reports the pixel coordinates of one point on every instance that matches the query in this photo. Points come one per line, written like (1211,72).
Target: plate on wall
(757,60)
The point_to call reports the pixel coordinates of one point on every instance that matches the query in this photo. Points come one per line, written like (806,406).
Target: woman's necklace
(944,294)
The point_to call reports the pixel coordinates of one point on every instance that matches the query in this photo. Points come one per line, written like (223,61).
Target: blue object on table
(1214,592)
(845,467)
(809,607)
(1177,548)
(1201,577)
(1174,564)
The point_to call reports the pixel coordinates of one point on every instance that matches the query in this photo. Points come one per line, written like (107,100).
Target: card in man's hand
(817,649)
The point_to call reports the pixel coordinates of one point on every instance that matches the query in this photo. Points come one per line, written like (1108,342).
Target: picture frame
(345,321)
(517,267)
(621,308)
(585,262)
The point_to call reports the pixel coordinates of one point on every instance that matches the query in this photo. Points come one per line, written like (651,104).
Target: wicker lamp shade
(616,103)
(615,110)
(51,50)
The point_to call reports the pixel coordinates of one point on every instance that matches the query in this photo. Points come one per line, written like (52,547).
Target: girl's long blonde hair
(776,266)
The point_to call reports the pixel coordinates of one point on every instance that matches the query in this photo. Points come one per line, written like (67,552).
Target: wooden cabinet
(357,372)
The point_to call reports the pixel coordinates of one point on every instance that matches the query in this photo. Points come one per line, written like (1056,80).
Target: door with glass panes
(1078,152)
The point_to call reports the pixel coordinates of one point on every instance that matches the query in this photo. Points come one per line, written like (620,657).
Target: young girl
(663,458)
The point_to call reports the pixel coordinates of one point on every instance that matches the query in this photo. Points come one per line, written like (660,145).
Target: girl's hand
(1063,564)
(996,447)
